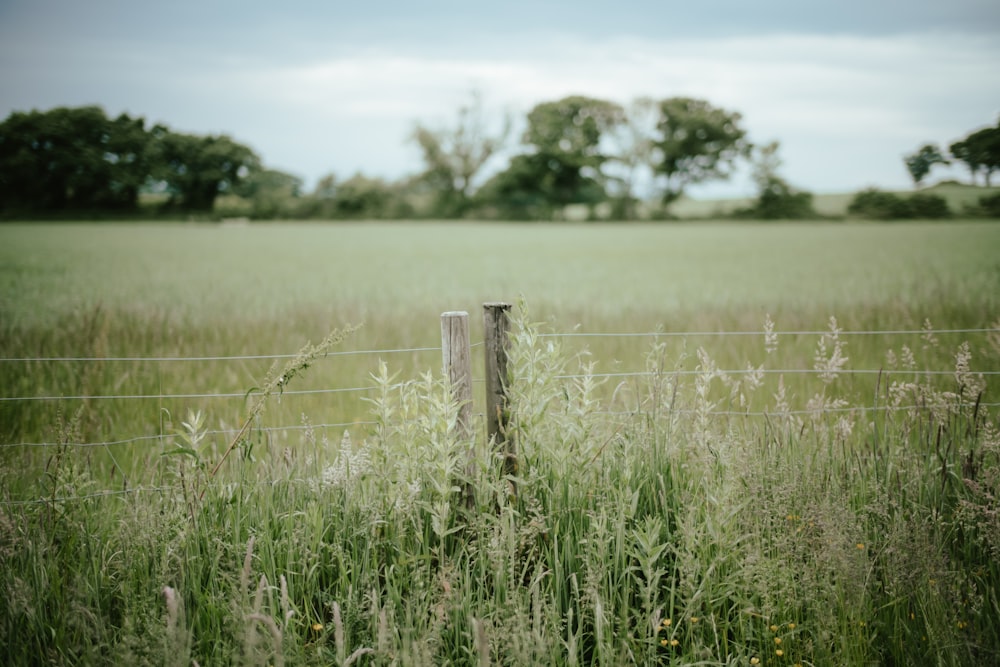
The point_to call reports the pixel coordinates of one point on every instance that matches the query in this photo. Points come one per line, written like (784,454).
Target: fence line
(163,436)
(243,357)
(826,332)
(493,344)
(570,334)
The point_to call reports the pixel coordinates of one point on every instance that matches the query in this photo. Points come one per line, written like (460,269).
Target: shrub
(877,205)
(929,206)
(990,205)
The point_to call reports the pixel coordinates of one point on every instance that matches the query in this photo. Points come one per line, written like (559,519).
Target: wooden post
(457,359)
(496,324)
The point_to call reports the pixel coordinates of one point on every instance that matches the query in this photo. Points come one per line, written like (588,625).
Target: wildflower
(791,626)
(779,653)
(667,622)
(770,338)
(694,619)
(962,625)
(663,642)
(774,628)
(674,642)
(860,546)
(754,660)
(777,640)
(317,627)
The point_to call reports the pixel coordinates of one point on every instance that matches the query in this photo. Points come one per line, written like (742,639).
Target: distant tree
(563,165)
(271,193)
(634,152)
(776,198)
(197,169)
(919,164)
(979,151)
(454,157)
(326,187)
(696,142)
(71,159)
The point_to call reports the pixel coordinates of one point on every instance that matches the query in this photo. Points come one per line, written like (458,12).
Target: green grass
(855,521)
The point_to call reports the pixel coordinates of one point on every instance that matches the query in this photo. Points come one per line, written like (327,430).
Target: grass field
(685,511)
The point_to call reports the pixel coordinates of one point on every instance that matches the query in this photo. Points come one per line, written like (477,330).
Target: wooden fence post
(496,324)
(458,367)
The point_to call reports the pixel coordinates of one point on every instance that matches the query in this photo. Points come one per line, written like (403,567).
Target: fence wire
(716,413)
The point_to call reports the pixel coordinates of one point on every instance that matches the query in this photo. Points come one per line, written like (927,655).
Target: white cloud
(844,108)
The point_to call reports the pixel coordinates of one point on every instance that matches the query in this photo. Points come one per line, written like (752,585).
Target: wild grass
(690,514)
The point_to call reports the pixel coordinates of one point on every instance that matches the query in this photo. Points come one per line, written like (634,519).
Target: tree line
(979,151)
(576,150)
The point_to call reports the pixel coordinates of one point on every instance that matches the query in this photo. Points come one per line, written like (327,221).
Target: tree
(563,165)
(271,193)
(197,168)
(71,159)
(979,150)
(633,141)
(454,157)
(919,164)
(777,199)
(697,142)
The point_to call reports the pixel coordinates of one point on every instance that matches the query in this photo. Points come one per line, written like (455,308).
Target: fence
(456,350)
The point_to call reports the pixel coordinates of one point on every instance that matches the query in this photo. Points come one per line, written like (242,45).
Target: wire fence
(146,440)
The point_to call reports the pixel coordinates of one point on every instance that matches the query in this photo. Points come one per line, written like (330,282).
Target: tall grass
(650,529)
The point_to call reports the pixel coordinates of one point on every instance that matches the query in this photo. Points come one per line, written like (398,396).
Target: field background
(890,570)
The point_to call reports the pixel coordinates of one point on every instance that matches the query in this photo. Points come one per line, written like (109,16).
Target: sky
(318,87)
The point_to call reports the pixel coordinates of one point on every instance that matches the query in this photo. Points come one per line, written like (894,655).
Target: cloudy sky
(329,86)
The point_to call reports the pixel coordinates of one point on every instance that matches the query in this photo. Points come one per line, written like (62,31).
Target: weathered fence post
(496,324)
(458,367)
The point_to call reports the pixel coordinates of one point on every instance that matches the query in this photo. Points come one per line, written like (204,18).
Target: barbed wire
(630,414)
(164,436)
(822,332)
(772,371)
(569,334)
(239,357)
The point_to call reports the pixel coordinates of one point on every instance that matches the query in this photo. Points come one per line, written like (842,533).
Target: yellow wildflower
(777,640)
(666,622)
(317,626)
(779,653)
(674,642)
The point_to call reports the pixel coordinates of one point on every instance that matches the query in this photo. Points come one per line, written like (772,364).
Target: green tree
(980,150)
(71,159)
(271,193)
(776,198)
(919,163)
(634,153)
(563,165)
(696,142)
(454,157)
(197,169)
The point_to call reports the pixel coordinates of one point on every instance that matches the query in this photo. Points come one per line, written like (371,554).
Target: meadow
(818,495)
